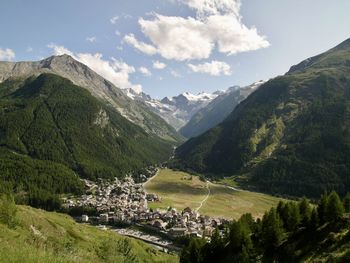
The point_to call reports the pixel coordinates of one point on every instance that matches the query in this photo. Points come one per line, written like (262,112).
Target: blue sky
(166,47)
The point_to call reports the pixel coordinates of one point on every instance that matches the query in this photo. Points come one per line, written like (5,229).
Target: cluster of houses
(126,202)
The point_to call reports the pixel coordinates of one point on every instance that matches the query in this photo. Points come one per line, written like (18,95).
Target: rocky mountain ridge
(81,75)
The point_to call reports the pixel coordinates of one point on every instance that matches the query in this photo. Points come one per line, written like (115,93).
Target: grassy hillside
(51,131)
(180,190)
(291,136)
(41,236)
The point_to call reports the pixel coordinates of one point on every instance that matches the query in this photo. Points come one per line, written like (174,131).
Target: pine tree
(193,253)
(244,256)
(322,208)
(293,220)
(334,209)
(305,211)
(8,211)
(314,220)
(346,203)
(272,232)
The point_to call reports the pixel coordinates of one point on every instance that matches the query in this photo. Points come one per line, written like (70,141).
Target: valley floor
(181,190)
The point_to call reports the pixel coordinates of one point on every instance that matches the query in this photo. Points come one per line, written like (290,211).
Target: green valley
(180,190)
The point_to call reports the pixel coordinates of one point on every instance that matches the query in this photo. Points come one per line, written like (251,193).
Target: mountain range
(291,136)
(176,110)
(81,75)
(60,121)
(217,110)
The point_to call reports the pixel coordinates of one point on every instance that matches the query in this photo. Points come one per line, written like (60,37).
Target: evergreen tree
(346,203)
(322,209)
(214,249)
(314,219)
(334,209)
(293,219)
(244,256)
(193,253)
(240,243)
(8,211)
(305,211)
(272,232)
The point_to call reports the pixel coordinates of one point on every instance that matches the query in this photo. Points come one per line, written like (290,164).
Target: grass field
(179,190)
(41,236)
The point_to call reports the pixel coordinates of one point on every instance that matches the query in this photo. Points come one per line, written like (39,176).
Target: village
(124,202)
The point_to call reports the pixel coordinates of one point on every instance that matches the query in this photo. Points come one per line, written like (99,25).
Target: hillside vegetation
(291,136)
(34,235)
(53,132)
(292,232)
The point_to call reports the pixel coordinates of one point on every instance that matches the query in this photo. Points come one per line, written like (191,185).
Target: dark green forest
(52,133)
(292,232)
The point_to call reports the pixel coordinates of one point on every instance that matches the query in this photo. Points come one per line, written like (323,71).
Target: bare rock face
(81,75)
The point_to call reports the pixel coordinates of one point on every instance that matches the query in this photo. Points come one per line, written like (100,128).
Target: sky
(166,47)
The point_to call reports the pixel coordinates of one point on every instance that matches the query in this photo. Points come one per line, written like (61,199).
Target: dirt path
(205,199)
(150,179)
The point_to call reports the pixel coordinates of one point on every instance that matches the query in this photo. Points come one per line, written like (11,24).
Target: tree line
(276,236)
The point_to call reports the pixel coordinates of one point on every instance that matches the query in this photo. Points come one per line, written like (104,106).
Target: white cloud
(143,47)
(7,54)
(217,24)
(114,19)
(60,50)
(213,7)
(213,68)
(91,39)
(145,71)
(158,65)
(175,73)
(116,71)
(117,32)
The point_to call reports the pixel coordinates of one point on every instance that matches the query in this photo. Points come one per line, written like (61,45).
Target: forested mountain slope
(291,136)
(52,132)
(81,75)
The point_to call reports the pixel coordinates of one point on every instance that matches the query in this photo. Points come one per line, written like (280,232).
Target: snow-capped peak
(202,96)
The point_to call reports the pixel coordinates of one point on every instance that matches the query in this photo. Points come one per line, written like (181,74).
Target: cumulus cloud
(213,7)
(213,68)
(217,23)
(145,71)
(114,19)
(114,70)
(7,54)
(91,39)
(143,47)
(158,65)
(60,50)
